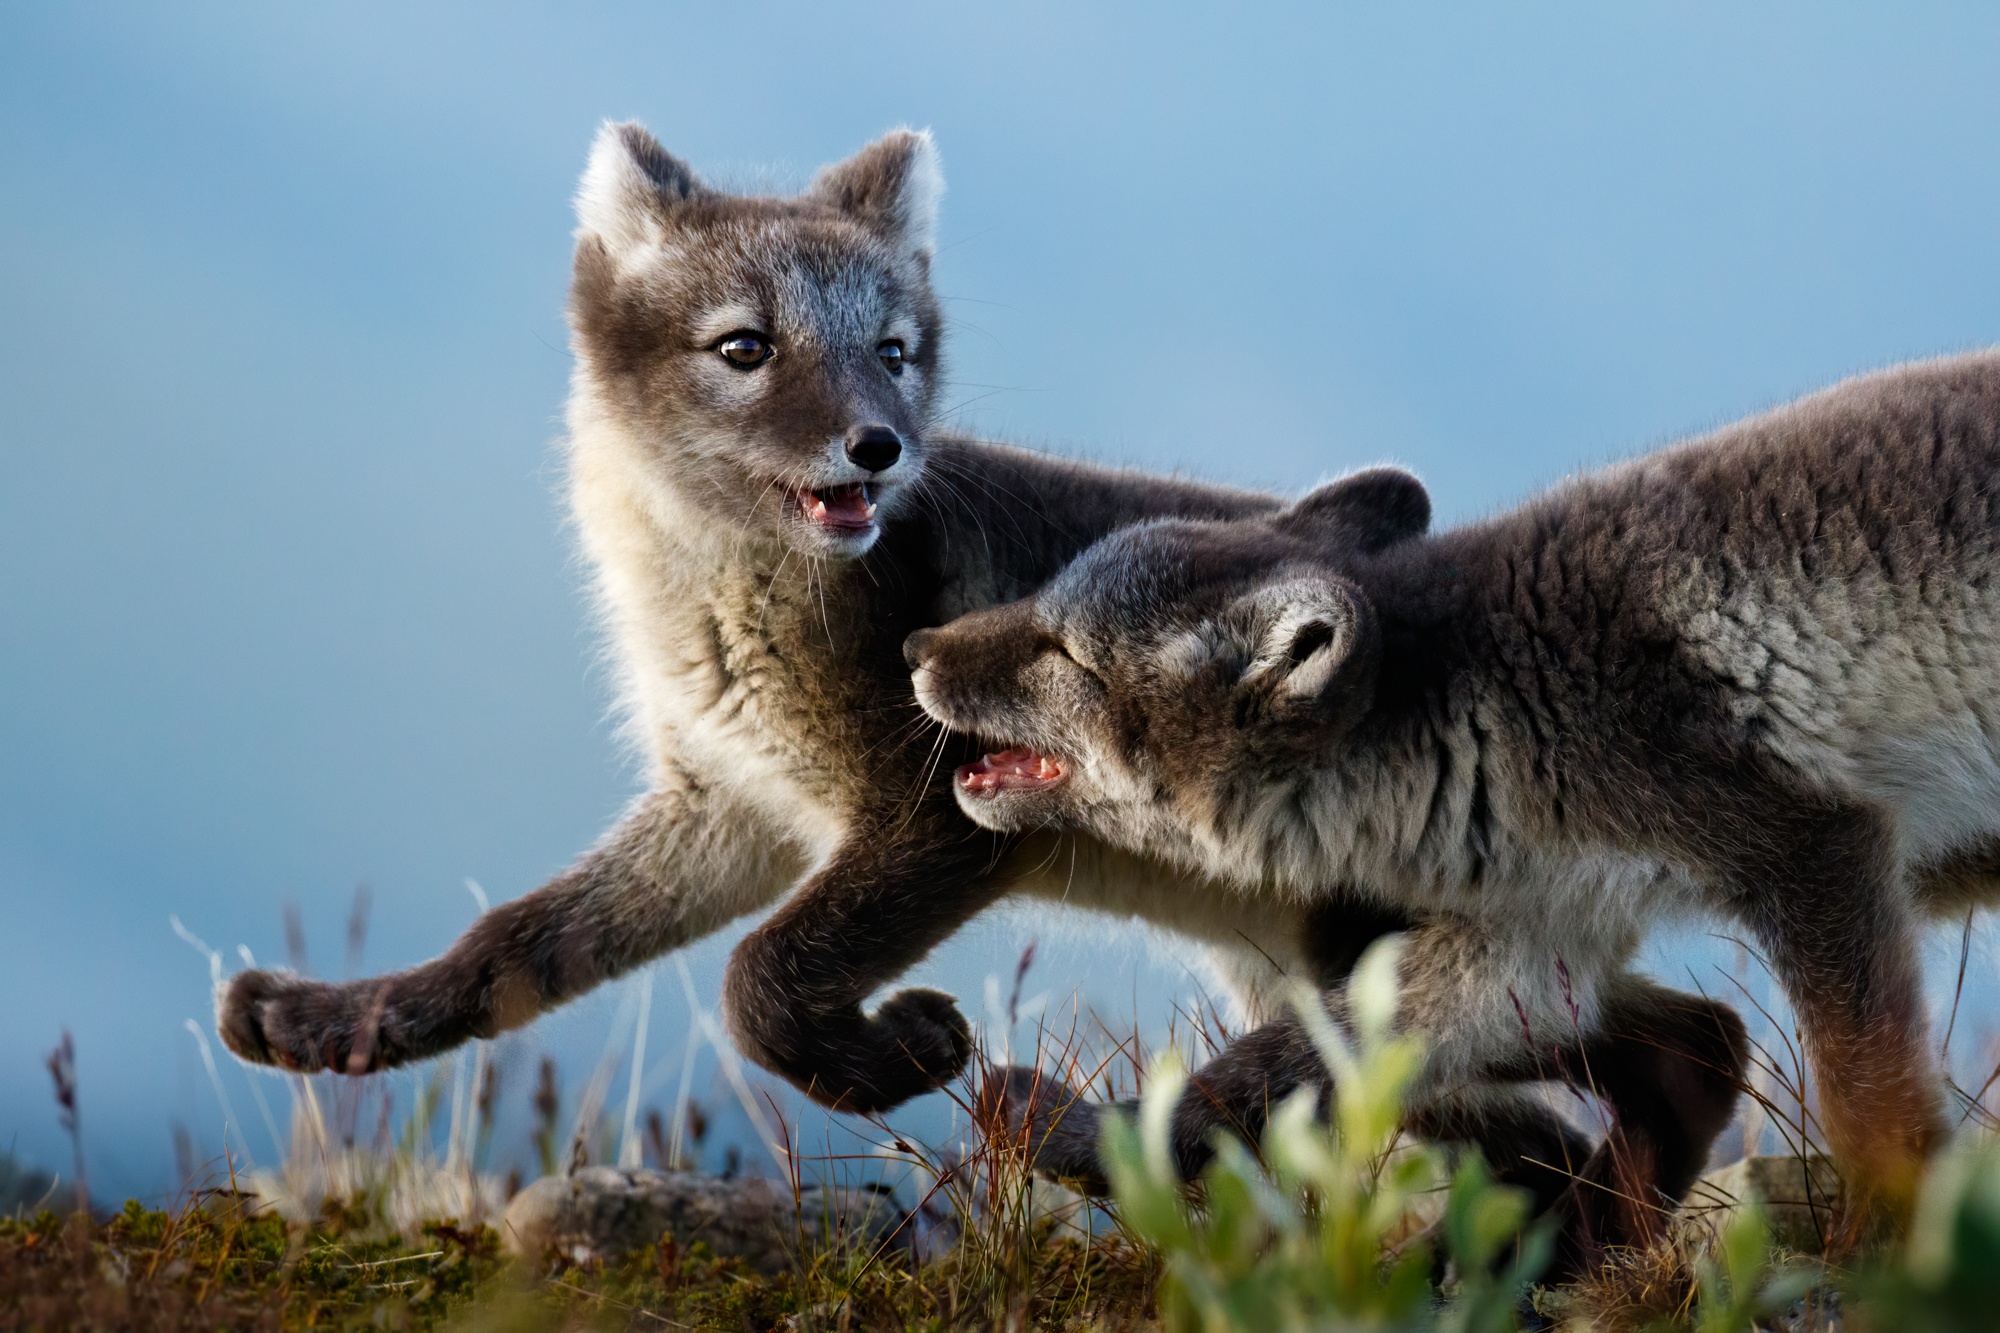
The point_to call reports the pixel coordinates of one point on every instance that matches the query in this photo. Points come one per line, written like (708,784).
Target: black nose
(913,647)
(873,447)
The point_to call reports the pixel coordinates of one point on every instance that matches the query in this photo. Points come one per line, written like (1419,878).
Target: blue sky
(286,602)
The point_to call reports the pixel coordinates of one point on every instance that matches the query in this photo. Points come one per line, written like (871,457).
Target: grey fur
(1756,675)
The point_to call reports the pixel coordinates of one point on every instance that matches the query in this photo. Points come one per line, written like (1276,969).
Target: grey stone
(600,1212)
(1800,1194)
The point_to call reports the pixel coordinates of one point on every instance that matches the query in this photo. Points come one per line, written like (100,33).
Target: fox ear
(1365,510)
(1319,647)
(892,186)
(630,187)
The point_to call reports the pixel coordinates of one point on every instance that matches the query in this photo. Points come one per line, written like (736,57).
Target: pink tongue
(845,505)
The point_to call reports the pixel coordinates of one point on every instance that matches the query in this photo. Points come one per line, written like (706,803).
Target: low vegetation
(216,1263)
(1328,1224)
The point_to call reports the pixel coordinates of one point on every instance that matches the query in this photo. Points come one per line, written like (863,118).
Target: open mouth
(847,508)
(1018,769)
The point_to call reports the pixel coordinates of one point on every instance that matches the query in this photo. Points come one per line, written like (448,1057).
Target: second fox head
(1179,680)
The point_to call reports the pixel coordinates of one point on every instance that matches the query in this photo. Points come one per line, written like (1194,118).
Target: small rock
(600,1212)
(1801,1198)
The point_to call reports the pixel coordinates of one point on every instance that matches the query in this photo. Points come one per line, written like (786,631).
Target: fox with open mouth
(1754,676)
(1178,666)
(761,480)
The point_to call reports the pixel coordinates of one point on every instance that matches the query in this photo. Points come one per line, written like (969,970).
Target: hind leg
(1454,979)
(1669,1066)
(1523,1141)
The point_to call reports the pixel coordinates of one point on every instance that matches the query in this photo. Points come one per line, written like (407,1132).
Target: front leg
(891,893)
(1668,1065)
(1820,890)
(1233,1093)
(684,862)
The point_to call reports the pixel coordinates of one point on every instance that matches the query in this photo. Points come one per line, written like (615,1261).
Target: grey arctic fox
(1755,675)
(759,477)
(761,483)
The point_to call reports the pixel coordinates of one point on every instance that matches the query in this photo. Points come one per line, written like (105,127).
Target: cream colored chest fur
(705,642)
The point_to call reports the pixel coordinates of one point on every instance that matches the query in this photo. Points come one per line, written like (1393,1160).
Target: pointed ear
(630,188)
(892,187)
(1319,647)
(1365,510)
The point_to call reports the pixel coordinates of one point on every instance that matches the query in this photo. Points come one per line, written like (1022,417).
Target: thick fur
(760,652)
(1756,675)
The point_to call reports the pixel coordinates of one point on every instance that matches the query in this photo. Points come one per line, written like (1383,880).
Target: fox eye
(745,350)
(1051,643)
(890,350)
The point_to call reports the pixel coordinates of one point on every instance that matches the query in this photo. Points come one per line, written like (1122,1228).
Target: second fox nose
(913,647)
(875,448)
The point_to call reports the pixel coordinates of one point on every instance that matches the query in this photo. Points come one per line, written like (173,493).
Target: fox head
(773,363)
(1177,678)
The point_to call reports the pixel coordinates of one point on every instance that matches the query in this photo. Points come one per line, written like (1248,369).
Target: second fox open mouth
(1018,769)
(847,508)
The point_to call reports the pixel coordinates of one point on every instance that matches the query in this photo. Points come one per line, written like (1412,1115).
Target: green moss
(215,1267)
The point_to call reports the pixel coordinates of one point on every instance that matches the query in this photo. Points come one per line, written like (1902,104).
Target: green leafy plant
(1324,1231)
(1738,1281)
(1949,1275)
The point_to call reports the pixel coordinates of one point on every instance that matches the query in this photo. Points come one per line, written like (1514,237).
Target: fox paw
(273,1018)
(927,1026)
(915,1043)
(849,1061)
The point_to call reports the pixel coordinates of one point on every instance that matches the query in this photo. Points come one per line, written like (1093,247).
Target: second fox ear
(892,187)
(1365,510)
(1319,645)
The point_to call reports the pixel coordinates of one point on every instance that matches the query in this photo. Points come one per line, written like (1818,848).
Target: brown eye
(745,351)
(890,350)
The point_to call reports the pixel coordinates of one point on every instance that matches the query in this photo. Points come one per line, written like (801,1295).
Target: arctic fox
(1755,675)
(758,474)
